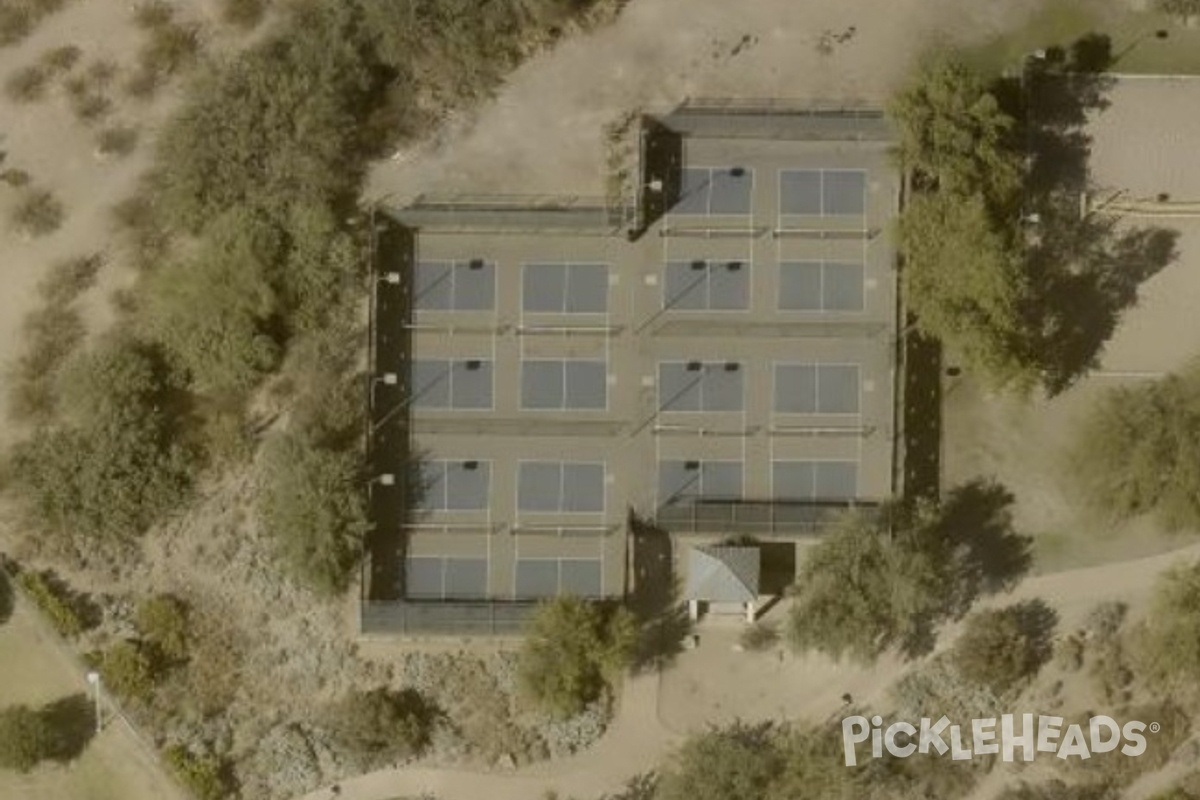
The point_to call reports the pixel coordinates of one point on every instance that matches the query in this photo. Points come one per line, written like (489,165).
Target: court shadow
(6,598)
(656,597)
(922,417)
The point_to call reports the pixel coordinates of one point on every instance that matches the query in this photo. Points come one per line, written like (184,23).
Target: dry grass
(61,59)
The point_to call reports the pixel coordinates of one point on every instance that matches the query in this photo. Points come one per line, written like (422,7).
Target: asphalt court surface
(701,285)
(699,386)
(817,388)
(452,384)
(564,487)
(551,384)
(821,286)
(455,285)
(715,191)
(823,192)
(565,288)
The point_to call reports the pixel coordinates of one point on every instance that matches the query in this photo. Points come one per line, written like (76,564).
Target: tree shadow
(989,556)
(1085,269)
(656,598)
(1037,621)
(922,417)
(73,721)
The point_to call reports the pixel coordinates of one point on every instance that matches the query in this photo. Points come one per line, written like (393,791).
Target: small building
(723,579)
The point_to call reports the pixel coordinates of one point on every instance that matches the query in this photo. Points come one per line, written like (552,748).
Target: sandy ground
(715,683)
(34,669)
(542,133)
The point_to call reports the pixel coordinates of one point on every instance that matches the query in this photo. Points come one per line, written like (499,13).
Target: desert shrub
(69,613)
(1058,790)
(244,14)
(37,213)
(759,636)
(27,84)
(381,726)
(51,334)
(69,278)
(1002,648)
(116,141)
(206,776)
(61,59)
(16,22)
(1139,451)
(153,14)
(90,106)
(136,222)
(130,670)
(101,72)
(15,178)
(311,504)
(25,738)
(170,48)
(573,650)
(163,620)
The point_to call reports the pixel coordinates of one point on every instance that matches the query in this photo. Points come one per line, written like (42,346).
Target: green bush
(27,84)
(15,178)
(37,213)
(1002,648)
(1138,451)
(573,650)
(724,764)
(311,504)
(216,313)
(1171,639)
(15,24)
(131,671)
(381,726)
(69,278)
(153,14)
(116,141)
(163,620)
(207,777)
(70,614)
(61,59)
(51,334)
(1184,9)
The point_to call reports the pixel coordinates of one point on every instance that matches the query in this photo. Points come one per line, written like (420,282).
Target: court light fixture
(386,479)
(389,378)
(655,185)
(694,366)
(390,277)
(699,264)
(474,364)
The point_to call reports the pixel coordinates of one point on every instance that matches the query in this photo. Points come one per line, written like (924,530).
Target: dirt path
(811,689)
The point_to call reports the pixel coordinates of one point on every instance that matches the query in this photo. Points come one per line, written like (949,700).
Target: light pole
(93,678)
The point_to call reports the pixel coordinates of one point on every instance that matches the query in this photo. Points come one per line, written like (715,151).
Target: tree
(1001,648)
(954,136)
(25,738)
(311,504)
(206,776)
(886,579)
(1139,451)
(732,763)
(965,283)
(382,726)
(572,650)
